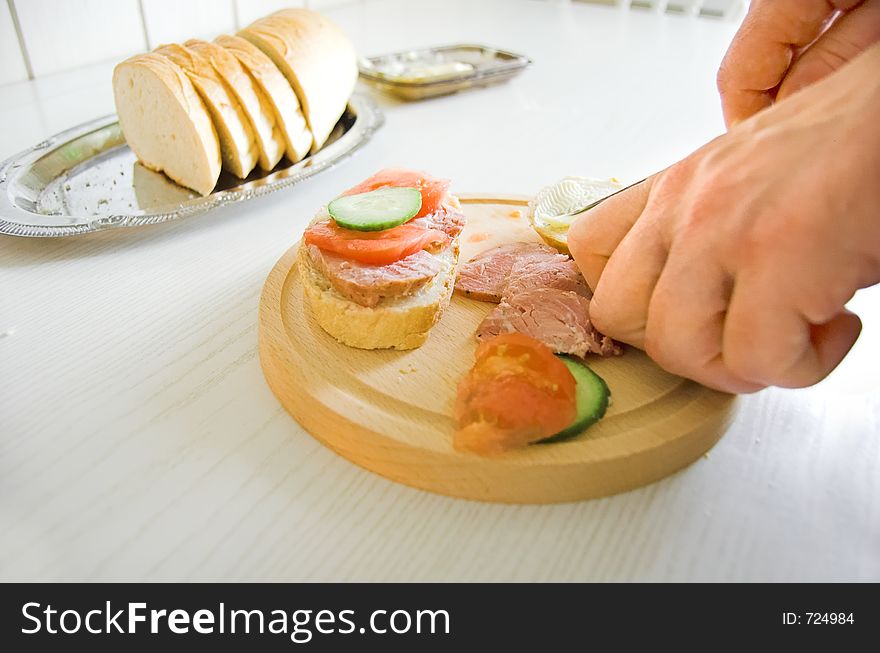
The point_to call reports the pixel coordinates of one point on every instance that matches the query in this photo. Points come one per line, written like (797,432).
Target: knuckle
(660,346)
(607,315)
(834,52)
(600,316)
(744,367)
(826,300)
(742,387)
(723,78)
(655,347)
(705,204)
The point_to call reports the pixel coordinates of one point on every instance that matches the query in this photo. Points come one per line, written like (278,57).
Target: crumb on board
(516,214)
(478,237)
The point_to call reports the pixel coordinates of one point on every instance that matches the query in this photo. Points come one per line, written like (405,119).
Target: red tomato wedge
(374,247)
(433,190)
(517,392)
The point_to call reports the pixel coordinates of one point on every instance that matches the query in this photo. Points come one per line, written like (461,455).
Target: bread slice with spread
(378,264)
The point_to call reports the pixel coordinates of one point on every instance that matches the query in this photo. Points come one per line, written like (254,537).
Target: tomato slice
(374,247)
(517,392)
(433,190)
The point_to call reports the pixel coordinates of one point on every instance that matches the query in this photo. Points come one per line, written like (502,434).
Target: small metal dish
(420,74)
(87,179)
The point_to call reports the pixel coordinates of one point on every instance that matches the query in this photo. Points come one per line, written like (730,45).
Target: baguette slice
(398,323)
(277,91)
(238,146)
(270,142)
(316,57)
(165,122)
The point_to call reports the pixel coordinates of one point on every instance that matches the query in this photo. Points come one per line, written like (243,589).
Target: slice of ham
(485,277)
(530,273)
(367,284)
(446,219)
(558,318)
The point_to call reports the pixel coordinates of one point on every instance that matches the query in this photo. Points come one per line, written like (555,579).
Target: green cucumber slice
(376,210)
(591,396)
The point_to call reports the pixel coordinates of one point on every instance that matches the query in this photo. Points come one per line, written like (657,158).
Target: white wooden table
(138,439)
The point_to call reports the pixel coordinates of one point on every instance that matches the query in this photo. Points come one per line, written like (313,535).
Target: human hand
(785,45)
(732,267)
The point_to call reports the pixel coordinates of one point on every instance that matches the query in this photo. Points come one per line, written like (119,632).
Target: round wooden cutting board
(390,411)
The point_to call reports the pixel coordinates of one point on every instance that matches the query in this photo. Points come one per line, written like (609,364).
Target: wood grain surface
(391,411)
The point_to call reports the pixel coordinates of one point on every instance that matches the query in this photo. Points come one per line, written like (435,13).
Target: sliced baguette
(316,57)
(270,141)
(238,145)
(165,122)
(396,323)
(277,91)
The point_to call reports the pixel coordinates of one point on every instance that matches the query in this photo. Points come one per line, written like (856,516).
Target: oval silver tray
(87,179)
(488,66)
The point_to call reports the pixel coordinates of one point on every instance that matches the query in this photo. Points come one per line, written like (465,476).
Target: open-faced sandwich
(378,263)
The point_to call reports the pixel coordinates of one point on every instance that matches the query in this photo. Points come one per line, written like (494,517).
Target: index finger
(762,50)
(595,234)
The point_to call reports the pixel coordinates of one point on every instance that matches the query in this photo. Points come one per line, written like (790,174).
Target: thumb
(595,234)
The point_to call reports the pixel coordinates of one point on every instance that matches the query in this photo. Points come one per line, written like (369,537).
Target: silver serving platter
(488,66)
(87,179)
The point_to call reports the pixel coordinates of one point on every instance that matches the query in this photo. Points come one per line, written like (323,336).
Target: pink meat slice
(367,284)
(485,277)
(558,318)
(532,272)
(446,219)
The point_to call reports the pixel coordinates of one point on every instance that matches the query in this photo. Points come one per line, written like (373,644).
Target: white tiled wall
(12,68)
(55,35)
(250,10)
(173,21)
(58,35)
